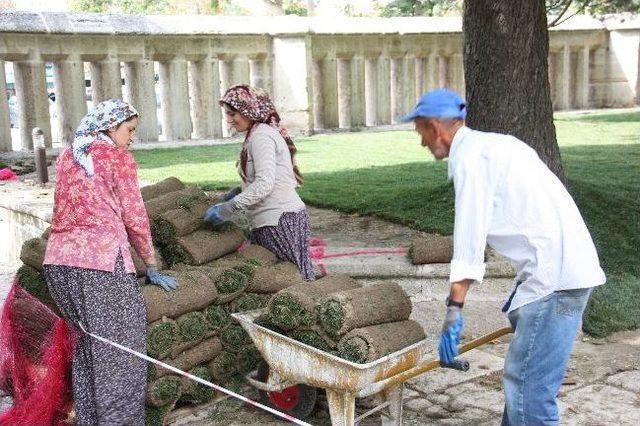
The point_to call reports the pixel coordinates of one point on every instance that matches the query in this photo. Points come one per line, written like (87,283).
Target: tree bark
(506,46)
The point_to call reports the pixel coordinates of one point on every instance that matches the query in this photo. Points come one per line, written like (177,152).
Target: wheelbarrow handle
(456,364)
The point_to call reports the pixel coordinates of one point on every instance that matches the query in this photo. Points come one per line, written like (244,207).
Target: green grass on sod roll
(161,338)
(231,281)
(193,326)
(217,316)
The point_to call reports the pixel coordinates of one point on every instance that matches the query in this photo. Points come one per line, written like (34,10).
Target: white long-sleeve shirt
(270,186)
(508,198)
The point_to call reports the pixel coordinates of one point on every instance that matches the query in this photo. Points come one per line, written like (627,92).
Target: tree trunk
(506,46)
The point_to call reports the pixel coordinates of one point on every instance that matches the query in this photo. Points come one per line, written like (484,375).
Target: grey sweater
(270,186)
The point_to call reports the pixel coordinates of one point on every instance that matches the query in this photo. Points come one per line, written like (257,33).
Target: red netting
(36,348)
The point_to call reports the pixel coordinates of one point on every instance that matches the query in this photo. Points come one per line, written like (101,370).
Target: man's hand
(232,193)
(221,212)
(450,337)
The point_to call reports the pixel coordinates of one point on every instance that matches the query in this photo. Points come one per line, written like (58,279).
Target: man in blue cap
(506,197)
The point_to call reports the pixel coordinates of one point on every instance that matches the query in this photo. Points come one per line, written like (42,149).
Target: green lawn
(388,174)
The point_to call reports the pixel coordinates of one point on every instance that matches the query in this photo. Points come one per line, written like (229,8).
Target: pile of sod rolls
(337,315)
(431,249)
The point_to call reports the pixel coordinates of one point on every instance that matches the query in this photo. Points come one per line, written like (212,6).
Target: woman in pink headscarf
(278,217)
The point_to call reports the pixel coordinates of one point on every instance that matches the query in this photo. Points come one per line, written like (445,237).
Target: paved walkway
(602,384)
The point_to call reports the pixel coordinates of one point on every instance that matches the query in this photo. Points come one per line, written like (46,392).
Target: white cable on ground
(198,379)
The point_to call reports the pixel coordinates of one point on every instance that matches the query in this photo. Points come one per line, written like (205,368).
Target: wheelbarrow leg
(342,407)
(393,396)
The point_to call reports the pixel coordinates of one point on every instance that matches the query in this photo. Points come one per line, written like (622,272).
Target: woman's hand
(221,212)
(232,193)
(167,282)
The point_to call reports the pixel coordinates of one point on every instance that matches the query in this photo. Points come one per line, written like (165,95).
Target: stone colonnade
(320,78)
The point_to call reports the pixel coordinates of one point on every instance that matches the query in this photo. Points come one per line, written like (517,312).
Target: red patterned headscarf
(256,105)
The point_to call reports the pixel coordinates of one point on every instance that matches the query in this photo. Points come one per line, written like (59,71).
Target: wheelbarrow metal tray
(300,363)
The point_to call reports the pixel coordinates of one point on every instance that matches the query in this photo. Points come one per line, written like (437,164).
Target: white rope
(197,379)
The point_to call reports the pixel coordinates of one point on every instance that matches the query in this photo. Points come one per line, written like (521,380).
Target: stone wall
(323,73)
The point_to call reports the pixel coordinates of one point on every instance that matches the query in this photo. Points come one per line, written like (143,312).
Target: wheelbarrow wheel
(297,401)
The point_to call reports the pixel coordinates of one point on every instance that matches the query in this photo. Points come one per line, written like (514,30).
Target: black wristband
(450,302)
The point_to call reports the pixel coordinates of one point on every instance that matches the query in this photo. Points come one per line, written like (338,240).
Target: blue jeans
(544,332)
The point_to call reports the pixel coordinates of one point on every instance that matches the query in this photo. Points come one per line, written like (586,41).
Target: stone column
(357,92)
(207,117)
(291,81)
(432,71)
(384,92)
(224,65)
(566,83)
(240,71)
(174,83)
(106,81)
(443,71)
(409,83)
(584,75)
(139,77)
(68,77)
(33,103)
(330,93)
(396,86)
(5,122)
(420,87)
(257,74)
(371,91)
(457,69)
(344,93)
(316,89)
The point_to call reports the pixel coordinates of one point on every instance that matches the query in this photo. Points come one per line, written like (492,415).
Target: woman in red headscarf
(278,217)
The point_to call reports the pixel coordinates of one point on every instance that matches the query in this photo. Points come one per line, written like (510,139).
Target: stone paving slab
(628,380)
(602,405)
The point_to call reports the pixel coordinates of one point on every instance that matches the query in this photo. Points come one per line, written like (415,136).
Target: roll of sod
(248,358)
(162,337)
(255,252)
(154,416)
(164,390)
(32,280)
(194,392)
(193,328)
(202,353)
(233,337)
(32,252)
(431,249)
(343,311)
(217,317)
(203,246)
(170,225)
(155,190)
(272,279)
(249,302)
(223,367)
(315,337)
(367,344)
(195,292)
(295,306)
(230,285)
(173,200)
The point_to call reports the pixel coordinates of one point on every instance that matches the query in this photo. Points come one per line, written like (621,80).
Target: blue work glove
(450,337)
(232,193)
(221,212)
(167,282)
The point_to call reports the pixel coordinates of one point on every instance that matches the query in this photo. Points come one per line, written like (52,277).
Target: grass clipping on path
(294,307)
(195,292)
(367,344)
(343,311)
(431,249)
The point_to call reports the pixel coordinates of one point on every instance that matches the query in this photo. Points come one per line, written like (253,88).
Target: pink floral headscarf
(256,105)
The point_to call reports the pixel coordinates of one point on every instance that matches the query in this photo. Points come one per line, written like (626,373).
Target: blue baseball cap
(439,103)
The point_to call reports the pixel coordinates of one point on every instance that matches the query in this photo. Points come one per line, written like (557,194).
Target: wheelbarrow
(296,369)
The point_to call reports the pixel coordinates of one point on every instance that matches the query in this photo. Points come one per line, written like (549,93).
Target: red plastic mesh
(36,348)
